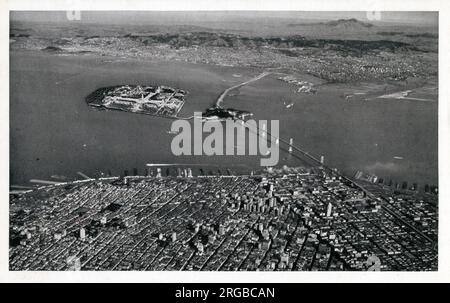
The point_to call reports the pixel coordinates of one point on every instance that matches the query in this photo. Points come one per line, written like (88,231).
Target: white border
(442,275)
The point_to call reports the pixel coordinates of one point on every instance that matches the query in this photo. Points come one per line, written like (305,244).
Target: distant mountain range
(349,24)
(237,41)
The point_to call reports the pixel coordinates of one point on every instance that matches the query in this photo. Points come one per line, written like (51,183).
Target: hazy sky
(147,17)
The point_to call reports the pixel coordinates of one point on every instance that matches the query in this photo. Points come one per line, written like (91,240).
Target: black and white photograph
(223,141)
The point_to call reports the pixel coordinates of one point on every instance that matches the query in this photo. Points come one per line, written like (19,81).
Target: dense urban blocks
(285,219)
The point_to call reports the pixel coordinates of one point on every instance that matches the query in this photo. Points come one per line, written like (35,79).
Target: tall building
(82,233)
(329,209)
(260,227)
(272,202)
(211,238)
(221,229)
(200,248)
(265,234)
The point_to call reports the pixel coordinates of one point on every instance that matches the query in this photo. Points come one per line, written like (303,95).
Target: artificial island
(151,100)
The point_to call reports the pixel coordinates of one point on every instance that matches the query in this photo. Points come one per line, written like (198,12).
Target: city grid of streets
(284,219)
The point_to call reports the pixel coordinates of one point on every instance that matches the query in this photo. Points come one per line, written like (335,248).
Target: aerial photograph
(223,141)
